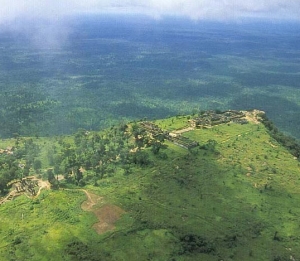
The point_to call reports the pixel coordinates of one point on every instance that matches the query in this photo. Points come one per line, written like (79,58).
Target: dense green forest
(153,190)
(104,73)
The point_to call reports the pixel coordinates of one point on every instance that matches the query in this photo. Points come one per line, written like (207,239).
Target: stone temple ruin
(28,186)
(183,142)
(204,120)
(208,119)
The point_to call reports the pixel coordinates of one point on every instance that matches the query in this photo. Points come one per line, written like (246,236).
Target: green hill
(213,186)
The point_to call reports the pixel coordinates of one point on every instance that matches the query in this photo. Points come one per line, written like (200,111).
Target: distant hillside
(212,186)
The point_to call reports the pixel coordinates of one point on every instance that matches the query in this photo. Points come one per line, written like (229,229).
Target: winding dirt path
(92,200)
(42,185)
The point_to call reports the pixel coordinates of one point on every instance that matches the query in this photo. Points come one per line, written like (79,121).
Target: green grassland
(236,199)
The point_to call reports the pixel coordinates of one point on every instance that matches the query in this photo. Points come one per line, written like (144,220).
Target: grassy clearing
(173,123)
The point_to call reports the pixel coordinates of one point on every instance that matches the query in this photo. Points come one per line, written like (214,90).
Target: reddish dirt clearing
(107,214)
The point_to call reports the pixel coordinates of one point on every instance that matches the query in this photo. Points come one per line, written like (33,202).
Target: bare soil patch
(253,116)
(180,131)
(107,214)
(42,185)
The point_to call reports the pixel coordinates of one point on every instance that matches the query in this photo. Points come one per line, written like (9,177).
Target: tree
(127,170)
(78,174)
(3,187)
(56,169)
(210,145)
(37,165)
(51,178)
(50,175)
(26,170)
(156,147)
(50,156)
(141,158)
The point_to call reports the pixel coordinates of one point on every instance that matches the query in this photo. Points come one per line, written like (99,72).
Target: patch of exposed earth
(180,131)
(253,116)
(107,214)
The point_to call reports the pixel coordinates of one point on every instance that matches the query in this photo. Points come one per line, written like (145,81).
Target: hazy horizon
(92,70)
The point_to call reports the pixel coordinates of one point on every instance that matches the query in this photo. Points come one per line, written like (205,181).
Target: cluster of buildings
(205,119)
(211,118)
